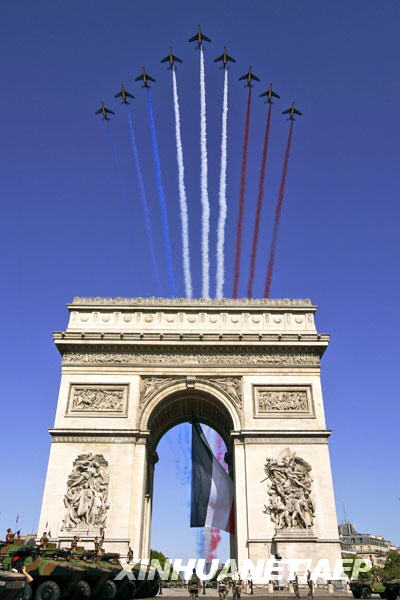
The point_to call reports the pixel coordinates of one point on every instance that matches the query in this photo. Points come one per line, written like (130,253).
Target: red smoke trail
(239,229)
(259,206)
(278,210)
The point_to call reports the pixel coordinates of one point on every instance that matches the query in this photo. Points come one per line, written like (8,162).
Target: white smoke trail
(204,185)
(222,195)
(182,193)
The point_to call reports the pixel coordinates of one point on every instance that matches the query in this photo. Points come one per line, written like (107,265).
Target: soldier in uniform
(74,543)
(194,585)
(296,587)
(236,588)
(222,589)
(44,540)
(129,556)
(310,584)
(98,544)
(9,536)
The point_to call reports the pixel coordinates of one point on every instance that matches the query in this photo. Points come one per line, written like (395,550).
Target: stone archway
(134,367)
(169,401)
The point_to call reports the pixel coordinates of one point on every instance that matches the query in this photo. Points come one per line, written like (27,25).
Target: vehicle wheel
(391,595)
(366,593)
(126,590)
(48,590)
(108,591)
(356,594)
(154,588)
(81,591)
(382,595)
(28,592)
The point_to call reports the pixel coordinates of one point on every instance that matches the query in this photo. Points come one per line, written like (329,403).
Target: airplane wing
(255,77)
(219,58)
(193,39)
(166,59)
(243,77)
(275,94)
(286,112)
(128,94)
(230,58)
(139,78)
(150,78)
(264,94)
(206,38)
(176,59)
(297,112)
(98,111)
(118,95)
(110,111)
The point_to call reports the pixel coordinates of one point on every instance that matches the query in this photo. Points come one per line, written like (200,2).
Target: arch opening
(169,415)
(186,406)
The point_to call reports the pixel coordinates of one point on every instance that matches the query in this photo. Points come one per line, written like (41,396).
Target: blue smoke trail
(144,202)
(163,204)
(121,182)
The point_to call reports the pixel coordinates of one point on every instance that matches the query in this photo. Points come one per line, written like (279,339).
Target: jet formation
(249,77)
(199,37)
(224,58)
(145,77)
(104,111)
(291,112)
(171,59)
(124,94)
(269,94)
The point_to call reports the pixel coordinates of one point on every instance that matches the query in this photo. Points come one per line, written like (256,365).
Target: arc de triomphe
(134,368)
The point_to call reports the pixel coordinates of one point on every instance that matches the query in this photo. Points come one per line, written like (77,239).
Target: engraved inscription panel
(287,401)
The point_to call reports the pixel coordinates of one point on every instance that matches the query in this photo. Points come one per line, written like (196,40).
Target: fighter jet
(145,78)
(269,94)
(224,58)
(248,77)
(171,59)
(104,111)
(124,95)
(199,38)
(291,112)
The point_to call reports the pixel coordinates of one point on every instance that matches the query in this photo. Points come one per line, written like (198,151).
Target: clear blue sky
(65,232)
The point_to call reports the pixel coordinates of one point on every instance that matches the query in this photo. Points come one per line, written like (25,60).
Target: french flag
(212,488)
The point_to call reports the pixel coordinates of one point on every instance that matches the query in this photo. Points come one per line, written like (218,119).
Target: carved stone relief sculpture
(97,399)
(289,489)
(87,493)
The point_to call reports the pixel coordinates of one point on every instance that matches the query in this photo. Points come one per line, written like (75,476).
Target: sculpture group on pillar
(289,490)
(87,492)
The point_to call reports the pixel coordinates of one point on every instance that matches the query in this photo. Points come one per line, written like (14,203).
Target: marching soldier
(194,586)
(296,587)
(222,589)
(310,584)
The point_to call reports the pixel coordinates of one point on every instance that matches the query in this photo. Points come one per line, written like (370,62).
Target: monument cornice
(65,338)
(98,435)
(195,303)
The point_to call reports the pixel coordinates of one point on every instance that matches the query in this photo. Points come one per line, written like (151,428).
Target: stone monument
(133,368)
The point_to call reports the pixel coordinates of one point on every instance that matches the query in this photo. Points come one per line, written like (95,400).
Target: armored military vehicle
(364,588)
(79,575)
(392,589)
(11,585)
